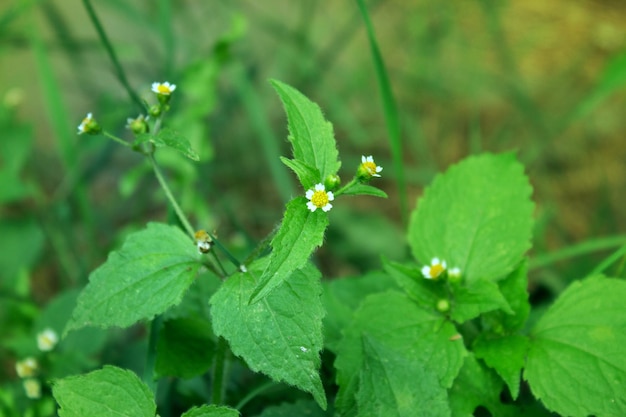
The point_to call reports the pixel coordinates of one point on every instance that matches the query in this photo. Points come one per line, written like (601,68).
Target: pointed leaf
(170,139)
(389,383)
(307,175)
(514,288)
(364,189)
(149,274)
(301,232)
(281,335)
(211,411)
(310,134)
(477,216)
(474,298)
(108,392)
(506,355)
(576,365)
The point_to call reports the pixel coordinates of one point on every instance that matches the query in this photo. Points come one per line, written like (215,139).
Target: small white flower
(83,126)
(32,388)
(367,162)
(454,272)
(303,349)
(243,268)
(164,89)
(26,367)
(203,241)
(319,198)
(435,269)
(47,340)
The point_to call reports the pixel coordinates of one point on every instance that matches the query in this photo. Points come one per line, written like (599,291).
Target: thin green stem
(614,257)
(218,371)
(121,75)
(148,374)
(345,187)
(170,196)
(577,250)
(255,392)
(115,138)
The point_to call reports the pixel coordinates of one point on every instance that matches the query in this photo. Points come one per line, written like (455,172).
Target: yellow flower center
(436,270)
(320,198)
(163,89)
(370,167)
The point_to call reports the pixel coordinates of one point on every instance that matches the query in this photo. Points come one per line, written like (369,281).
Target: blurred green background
(545,79)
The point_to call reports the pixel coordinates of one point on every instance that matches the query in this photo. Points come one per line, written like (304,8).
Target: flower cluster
(439,268)
(319,198)
(28,368)
(368,169)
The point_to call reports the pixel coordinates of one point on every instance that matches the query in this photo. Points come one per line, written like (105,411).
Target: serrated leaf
(506,355)
(185,348)
(477,217)
(422,337)
(514,288)
(341,297)
(389,383)
(576,365)
(149,274)
(168,138)
(307,175)
(477,386)
(425,292)
(301,232)
(108,392)
(364,189)
(476,297)
(281,335)
(211,411)
(300,408)
(310,134)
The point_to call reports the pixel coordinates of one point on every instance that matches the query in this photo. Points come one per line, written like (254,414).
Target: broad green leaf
(477,217)
(185,348)
(148,275)
(301,232)
(476,297)
(307,175)
(514,288)
(169,138)
(364,189)
(423,337)
(310,134)
(300,408)
(389,382)
(211,411)
(506,355)
(341,297)
(108,392)
(425,292)
(576,364)
(476,386)
(281,335)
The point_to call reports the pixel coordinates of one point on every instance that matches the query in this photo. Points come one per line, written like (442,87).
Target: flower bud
(89,125)
(332,182)
(443,305)
(138,125)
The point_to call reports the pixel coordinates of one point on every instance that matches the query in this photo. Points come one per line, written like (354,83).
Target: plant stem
(345,187)
(218,371)
(115,138)
(148,374)
(121,76)
(245,400)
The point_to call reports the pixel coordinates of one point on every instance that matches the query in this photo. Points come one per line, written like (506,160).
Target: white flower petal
(311,206)
(309,194)
(426,272)
(330,195)
(327,207)
(319,187)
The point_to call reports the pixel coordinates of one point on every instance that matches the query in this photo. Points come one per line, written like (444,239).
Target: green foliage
(107,392)
(148,275)
(168,138)
(281,335)
(211,411)
(574,364)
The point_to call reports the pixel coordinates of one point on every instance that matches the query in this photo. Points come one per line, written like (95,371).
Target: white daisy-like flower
(435,269)
(164,89)
(319,198)
(47,340)
(203,241)
(27,367)
(83,127)
(32,387)
(367,162)
(454,272)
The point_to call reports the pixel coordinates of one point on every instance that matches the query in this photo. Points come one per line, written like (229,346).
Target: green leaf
(364,189)
(422,337)
(147,276)
(477,217)
(426,292)
(108,392)
(170,139)
(514,288)
(301,232)
(299,408)
(310,134)
(389,382)
(281,335)
(307,175)
(506,355)
(576,365)
(477,386)
(341,297)
(211,411)
(185,348)
(476,297)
